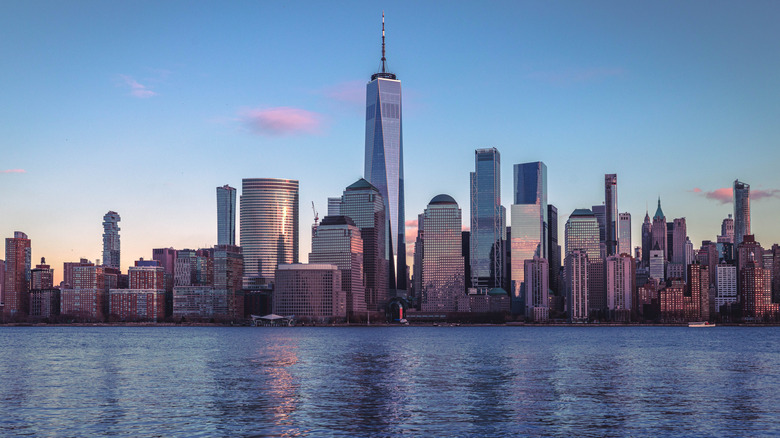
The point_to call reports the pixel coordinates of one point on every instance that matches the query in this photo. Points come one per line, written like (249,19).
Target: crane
(316,215)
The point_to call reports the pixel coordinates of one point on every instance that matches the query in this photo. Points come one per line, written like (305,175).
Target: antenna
(383,42)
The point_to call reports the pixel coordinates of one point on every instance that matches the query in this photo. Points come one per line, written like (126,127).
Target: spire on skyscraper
(658,212)
(383,73)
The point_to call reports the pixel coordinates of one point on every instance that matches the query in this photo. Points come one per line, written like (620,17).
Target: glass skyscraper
(488,221)
(529,222)
(624,233)
(582,232)
(111,239)
(226,215)
(269,225)
(741,211)
(384,161)
(442,278)
(612,224)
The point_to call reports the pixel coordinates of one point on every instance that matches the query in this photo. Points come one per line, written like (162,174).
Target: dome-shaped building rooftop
(442,200)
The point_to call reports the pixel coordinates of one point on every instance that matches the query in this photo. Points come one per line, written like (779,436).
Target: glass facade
(111,240)
(268,224)
(363,203)
(582,232)
(527,242)
(226,215)
(741,211)
(384,166)
(442,277)
(488,221)
(337,241)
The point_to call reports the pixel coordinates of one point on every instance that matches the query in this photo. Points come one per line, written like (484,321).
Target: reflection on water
(414,381)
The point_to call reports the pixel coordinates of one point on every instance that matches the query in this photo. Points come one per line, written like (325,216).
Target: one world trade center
(384,166)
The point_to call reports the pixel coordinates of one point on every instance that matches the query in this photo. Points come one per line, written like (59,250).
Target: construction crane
(316,215)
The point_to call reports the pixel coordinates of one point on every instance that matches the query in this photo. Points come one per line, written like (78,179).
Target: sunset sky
(145,108)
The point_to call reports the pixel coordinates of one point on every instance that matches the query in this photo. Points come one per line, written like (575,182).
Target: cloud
(725,195)
(575,76)
(281,121)
(411,231)
(13,171)
(136,89)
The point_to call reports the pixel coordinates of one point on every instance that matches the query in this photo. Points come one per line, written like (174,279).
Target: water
(411,381)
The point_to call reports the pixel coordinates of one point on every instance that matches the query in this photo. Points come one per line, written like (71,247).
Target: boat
(700,324)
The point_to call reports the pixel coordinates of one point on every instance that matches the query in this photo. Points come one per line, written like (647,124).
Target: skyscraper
(727,229)
(488,221)
(269,225)
(536,285)
(441,279)
(553,249)
(18,260)
(619,285)
(624,233)
(576,279)
(582,232)
(384,160)
(529,238)
(111,240)
(741,211)
(226,215)
(611,221)
(659,232)
(337,241)
(363,203)
(647,240)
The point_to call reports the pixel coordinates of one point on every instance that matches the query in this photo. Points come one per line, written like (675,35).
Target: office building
(337,241)
(576,280)
(488,222)
(310,292)
(647,240)
(582,232)
(441,275)
(384,161)
(620,286)
(553,250)
(269,225)
(624,234)
(111,248)
(536,285)
(16,290)
(529,215)
(741,211)
(226,215)
(659,232)
(727,230)
(363,203)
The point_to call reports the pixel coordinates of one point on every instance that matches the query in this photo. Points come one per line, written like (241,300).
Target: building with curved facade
(268,225)
(441,262)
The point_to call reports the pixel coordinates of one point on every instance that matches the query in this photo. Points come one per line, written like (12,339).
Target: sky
(145,107)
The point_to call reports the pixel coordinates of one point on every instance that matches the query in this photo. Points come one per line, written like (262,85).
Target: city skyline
(78,141)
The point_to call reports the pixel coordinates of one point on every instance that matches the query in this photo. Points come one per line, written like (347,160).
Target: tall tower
(384,160)
(529,237)
(659,232)
(647,239)
(269,225)
(624,234)
(741,211)
(18,260)
(612,224)
(111,239)
(441,279)
(226,215)
(488,221)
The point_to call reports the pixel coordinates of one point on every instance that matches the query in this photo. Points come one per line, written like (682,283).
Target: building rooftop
(442,199)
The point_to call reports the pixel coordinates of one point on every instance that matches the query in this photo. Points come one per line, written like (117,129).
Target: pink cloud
(411,231)
(281,121)
(137,89)
(762,194)
(725,195)
(569,77)
(13,171)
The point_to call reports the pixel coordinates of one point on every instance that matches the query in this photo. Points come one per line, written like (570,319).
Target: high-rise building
(42,277)
(88,297)
(679,237)
(657,264)
(269,225)
(18,260)
(553,250)
(334,206)
(488,221)
(111,248)
(576,279)
(647,240)
(441,278)
(659,232)
(619,285)
(726,285)
(384,161)
(537,286)
(600,211)
(529,215)
(337,241)
(741,211)
(755,291)
(582,232)
(362,202)
(624,234)
(226,215)
(727,229)
(612,223)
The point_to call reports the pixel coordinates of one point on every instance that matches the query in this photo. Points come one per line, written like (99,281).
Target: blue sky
(145,107)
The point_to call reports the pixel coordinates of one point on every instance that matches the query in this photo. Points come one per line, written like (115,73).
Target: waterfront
(389,381)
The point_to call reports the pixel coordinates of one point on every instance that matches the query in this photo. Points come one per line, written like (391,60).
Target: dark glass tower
(741,211)
(384,165)
(611,213)
(226,215)
(488,221)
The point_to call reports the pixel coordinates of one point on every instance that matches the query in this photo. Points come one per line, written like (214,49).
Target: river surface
(389,381)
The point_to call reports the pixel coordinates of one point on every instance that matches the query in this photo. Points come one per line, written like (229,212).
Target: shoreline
(509,324)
